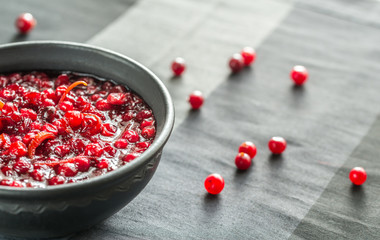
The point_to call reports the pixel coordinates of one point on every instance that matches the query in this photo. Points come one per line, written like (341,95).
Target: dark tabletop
(332,123)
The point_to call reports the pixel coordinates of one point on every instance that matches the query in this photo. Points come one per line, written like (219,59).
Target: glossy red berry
(93,149)
(131,136)
(277,145)
(243,161)
(74,118)
(18,149)
(249,55)
(57,180)
(83,163)
(299,75)
(248,148)
(131,156)
(116,98)
(37,175)
(214,183)
(68,169)
(103,105)
(22,166)
(236,62)
(196,99)
(146,123)
(148,132)
(178,66)
(66,106)
(121,143)
(25,23)
(358,175)
(108,129)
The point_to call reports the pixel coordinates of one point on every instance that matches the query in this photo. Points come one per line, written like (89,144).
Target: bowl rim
(156,146)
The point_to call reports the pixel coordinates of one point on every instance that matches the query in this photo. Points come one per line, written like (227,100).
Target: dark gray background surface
(331,123)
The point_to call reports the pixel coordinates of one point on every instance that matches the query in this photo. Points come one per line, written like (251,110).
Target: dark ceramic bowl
(61,210)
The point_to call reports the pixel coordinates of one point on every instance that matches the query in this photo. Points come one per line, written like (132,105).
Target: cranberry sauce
(58,128)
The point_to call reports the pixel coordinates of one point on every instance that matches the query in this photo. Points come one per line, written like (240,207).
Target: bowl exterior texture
(62,210)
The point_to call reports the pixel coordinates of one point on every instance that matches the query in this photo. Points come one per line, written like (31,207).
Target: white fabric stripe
(148,34)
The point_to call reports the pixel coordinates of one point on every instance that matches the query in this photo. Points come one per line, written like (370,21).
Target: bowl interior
(63,56)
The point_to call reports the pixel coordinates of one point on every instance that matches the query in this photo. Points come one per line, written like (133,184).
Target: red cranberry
(16,138)
(116,98)
(143,115)
(142,145)
(48,102)
(22,166)
(148,132)
(48,94)
(62,79)
(28,113)
(299,75)
(28,137)
(11,183)
(46,84)
(83,104)
(48,127)
(82,163)
(70,97)
(214,183)
(277,145)
(66,106)
(57,180)
(68,169)
(249,55)
(16,117)
(61,125)
(131,135)
(128,116)
(37,175)
(178,66)
(62,150)
(95,97)
(25,23)
(103,105)
(243,161)
(108,130)
(5,141)
(93,149)
(8,109)
(121,143)
(236,63)
(74,118)
(107,85)
(146,123)
(14,77)
(91,124)
(17,149)
(7,94)
(196,99)
(32,98)
(248,148)
(131,156)
(7,171)
(78,145)
(102,164)
(60,90)
(358,175)
(35,125)
(118,89)
(110,151)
